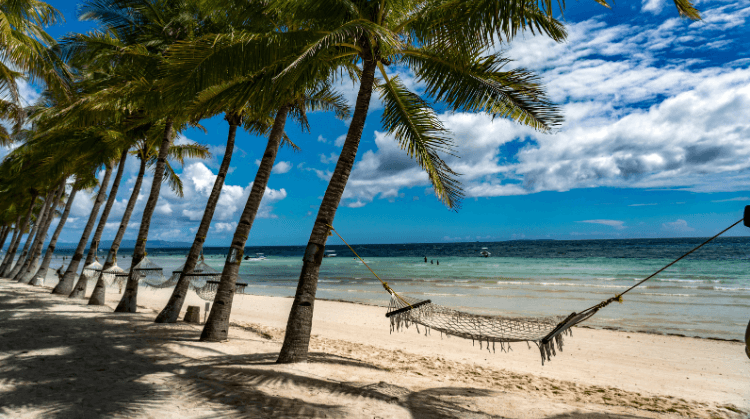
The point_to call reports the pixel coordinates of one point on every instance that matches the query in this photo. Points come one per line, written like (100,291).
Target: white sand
(61,358)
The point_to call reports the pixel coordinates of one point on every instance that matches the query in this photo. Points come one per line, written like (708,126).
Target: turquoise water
(706,295)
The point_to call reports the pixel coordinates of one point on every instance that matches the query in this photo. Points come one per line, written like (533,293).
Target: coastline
(357,368)
(610,328)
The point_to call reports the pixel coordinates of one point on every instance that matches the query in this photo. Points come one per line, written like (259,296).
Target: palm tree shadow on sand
(72,360)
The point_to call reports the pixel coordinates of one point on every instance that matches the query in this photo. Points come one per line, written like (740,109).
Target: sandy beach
(60,358)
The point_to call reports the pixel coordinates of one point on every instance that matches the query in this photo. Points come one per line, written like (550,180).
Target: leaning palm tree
(65,286)
(444,42)
(11,253)
(29,265)
(147,154)
(41,274)
(447,55)
(135,34)
(79,290)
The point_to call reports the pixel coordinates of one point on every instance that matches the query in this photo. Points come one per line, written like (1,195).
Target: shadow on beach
(60,358)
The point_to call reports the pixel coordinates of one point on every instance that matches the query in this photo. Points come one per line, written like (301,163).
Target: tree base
(99,294)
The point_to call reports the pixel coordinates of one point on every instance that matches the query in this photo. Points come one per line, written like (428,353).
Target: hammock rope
(545,332)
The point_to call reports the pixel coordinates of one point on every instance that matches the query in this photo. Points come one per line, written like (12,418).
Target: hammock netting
(92,270)
(148,273)
(208,291)
(545,332)
(201,273)
(109,274)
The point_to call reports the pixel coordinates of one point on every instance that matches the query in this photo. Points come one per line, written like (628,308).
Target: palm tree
(32,237)
(146,154)
(65,286)
(136,34)
(26,52)
(41,274)
(11,253)
(443,45)
(29,265)
(79,290)
(444,42)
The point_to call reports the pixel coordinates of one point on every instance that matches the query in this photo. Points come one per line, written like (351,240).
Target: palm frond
(421,134)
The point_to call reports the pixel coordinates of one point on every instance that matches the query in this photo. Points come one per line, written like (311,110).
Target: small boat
(485,253)
(258,257)
(329,254)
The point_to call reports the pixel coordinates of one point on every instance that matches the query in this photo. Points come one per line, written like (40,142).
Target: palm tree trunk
(217,325)
(171,311)
(41,274)
(99,294)
(4,236)
(29,268)
(65,286)
(128,302)
(79,290)
(299,324)
(14,246)
(32,237)
(13,240)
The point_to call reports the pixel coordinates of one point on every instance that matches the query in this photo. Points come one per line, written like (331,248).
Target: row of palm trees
(152,68)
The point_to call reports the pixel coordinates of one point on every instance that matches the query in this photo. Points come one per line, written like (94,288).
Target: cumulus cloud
(678,226)
(281,167)
(617,224)
(634,119)
(653,6)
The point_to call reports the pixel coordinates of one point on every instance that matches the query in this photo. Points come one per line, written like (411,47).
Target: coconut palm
(26,51)
(29,269)
(53,200)
(41,213)
(79,290)
(11,253)
(41,274)
(65,286)
(146,153)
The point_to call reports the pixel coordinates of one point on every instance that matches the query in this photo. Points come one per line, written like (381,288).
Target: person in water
(438,263)
(747,340)
(425,259)
(432,262)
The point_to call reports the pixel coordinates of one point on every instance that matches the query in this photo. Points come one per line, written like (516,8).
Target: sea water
(707,294)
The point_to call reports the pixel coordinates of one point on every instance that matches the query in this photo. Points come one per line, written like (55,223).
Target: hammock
(121,279)
(545,332)
(149,273)
(208,291)
(92,270)
(109,274)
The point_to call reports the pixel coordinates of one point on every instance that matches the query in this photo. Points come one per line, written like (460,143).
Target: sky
(655,143)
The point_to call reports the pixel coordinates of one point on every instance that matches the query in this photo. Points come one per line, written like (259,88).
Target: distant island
(129,244)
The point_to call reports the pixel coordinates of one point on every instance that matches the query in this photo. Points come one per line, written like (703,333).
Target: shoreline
(610,328)
(357,368)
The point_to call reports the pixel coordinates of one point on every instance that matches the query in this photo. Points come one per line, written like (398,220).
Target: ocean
(706,294)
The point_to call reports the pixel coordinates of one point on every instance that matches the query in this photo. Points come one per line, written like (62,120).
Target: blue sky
(656,143)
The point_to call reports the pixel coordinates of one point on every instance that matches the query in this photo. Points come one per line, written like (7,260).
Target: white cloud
(739,198)
(653,6)
(641,205)
(677,226)
(333,158)
(281,167)
(322,139)
(617,224)
(224,227)
(633,119)
(340,140)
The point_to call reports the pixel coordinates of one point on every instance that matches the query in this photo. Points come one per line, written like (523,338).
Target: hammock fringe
(546,333)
